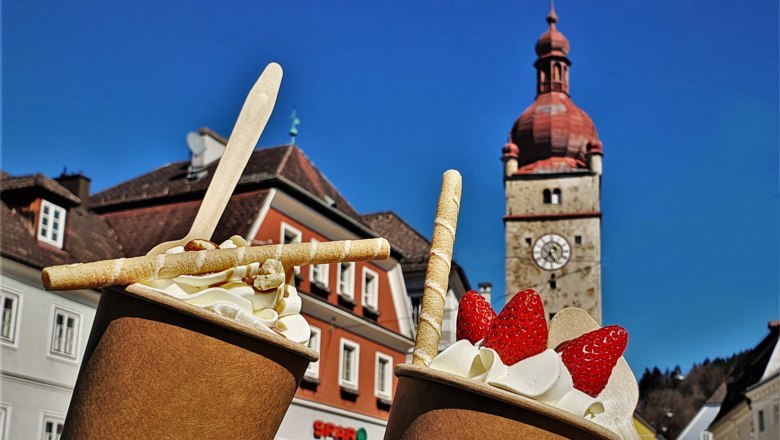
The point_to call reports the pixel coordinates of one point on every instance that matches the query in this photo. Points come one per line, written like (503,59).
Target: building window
(320,272)
(291,235)
(578,240)
(52,427)
(384,376)
(556,197)
(313,370)
(761,426)
(370,289)
(349,363)
(9,307)
(553,282)
(347,280)
(51,226)
(547,197)
(416,301)
(4,410)
(65,333)
(528,241)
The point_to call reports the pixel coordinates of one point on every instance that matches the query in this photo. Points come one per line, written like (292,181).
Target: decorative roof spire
(552,17)
(294,126)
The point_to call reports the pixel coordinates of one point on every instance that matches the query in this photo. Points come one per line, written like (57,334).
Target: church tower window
(556,197)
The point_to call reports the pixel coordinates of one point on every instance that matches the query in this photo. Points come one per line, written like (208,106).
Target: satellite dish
(195,143)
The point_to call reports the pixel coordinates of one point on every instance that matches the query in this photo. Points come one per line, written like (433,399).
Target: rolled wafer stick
(426,344)
(131,270)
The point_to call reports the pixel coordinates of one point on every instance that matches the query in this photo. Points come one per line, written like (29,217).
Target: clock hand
(554,254)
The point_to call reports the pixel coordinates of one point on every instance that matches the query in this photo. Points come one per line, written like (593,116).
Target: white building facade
(42,342)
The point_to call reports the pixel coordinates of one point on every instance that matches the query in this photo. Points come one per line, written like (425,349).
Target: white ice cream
(268,303)
(543,377)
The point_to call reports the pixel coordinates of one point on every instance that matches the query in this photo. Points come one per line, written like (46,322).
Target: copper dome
(553,126)
(552,42)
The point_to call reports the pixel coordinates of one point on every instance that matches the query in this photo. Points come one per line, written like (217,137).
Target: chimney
(485,289)
(206,147)
(78,184)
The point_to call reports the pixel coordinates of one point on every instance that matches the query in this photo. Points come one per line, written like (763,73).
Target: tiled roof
(161,205)
(169,181)
(411,243)
(143,228)
(14,184)
(748,371)
(87,236)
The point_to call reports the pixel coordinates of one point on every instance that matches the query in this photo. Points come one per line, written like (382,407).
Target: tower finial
(552,17)
(294,126)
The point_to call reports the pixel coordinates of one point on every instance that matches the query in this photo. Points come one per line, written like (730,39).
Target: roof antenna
(294,127)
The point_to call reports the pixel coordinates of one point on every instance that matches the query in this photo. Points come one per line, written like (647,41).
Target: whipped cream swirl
(543,377)
(254,294)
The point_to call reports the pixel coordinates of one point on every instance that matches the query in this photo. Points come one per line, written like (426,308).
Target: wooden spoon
(250,124)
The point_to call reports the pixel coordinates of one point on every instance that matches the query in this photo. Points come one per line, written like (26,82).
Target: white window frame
(45,231)
(346,287)
(351,382)
(385,394)
(55,419)
(319,273)
(315,342)
(16,314)
(5,419)
(58,309)
(370,298)
(299,238)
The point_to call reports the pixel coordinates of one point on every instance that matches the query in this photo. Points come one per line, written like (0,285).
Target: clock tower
(552,180)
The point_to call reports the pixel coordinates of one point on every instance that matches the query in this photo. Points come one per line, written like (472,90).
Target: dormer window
(51,224)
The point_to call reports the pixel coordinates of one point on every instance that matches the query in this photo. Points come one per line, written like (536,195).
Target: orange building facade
(360,313)
(352,386)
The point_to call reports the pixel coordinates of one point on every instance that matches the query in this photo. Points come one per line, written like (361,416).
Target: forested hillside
(669,399)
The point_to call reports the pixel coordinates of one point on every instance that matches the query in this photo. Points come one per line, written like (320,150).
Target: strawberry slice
(474,317)
(591,357)
(520,330)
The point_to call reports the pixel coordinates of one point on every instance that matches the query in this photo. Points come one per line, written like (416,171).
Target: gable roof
(87,236)
(748,371)
(14,187)
(170,182)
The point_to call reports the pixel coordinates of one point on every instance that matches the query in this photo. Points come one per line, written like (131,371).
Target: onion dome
(553,127)
(553,134)
(510,150)
(552,42)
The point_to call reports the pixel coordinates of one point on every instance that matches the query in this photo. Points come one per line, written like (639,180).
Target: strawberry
(520,330)
(474,317)
(591,357)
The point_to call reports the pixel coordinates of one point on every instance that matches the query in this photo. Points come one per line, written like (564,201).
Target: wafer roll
(131,270)
(426,345)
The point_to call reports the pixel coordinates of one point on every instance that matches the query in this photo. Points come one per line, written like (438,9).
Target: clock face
(551,252)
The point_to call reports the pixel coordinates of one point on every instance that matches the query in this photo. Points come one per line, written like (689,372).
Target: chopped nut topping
(200,245)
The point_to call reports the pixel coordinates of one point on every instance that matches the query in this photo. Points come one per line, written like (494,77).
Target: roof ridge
(283,162)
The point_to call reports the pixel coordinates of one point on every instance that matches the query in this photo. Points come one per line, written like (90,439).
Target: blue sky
(684,96)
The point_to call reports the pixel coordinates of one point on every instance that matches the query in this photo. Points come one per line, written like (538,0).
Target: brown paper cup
(156,367)
(431,404)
